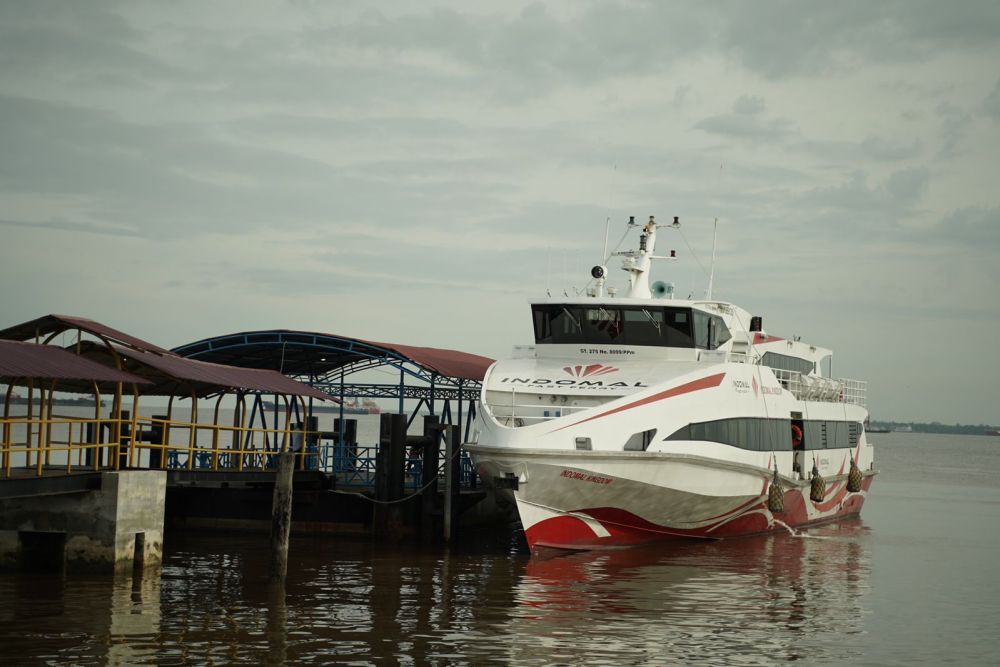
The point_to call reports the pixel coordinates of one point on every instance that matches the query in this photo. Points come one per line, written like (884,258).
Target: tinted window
(558,324)
(644,327)
(678,322)
(710,331)
(759,434)
(702,334)
(720,332)
(603,325)
(627,325)
(787,363)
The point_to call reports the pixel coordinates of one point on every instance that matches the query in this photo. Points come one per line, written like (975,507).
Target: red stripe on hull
(696,385)
(627,529)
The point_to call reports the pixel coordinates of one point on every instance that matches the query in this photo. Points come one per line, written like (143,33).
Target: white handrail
(828,390)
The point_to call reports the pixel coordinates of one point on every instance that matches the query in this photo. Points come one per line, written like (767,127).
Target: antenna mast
(711,274)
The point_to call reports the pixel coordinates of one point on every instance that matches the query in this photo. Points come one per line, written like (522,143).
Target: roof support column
(402,384)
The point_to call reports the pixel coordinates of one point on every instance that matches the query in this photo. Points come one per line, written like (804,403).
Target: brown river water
(912,582)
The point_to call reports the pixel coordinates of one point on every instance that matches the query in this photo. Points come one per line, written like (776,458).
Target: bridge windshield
(613,325)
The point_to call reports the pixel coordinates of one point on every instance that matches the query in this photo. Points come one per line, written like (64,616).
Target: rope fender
(817,486)
(854,478)
(775,495)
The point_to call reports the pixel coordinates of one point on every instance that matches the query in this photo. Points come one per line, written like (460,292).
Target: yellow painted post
(81,448)
(162,445)
(286,441)
(135,424)
(42,445)
(48,424)
(165,440)
(116,428)
(69,448)
(133,430)
(98,430)
(28,423)
(192,432)
(7,429)
(6,446)
(305,428)
(215,434)
(215,446)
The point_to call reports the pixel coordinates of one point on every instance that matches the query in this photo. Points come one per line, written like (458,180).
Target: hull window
(639,442)
(765,435)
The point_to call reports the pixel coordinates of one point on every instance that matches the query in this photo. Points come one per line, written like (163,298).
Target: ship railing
(855,392)
(722,356)
(354,466)
(827,390)
(739,357)
(40,445)
(526,414)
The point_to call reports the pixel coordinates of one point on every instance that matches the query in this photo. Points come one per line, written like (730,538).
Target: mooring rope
(405,498)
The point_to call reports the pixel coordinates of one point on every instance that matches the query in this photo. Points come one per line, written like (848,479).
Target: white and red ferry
(641,418)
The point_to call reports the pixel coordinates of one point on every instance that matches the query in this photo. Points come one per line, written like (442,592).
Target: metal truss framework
(327,362)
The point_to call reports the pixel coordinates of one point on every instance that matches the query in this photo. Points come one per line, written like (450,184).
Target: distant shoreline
(932,427)
(77,402)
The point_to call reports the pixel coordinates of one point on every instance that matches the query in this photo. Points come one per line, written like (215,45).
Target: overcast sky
(415,172)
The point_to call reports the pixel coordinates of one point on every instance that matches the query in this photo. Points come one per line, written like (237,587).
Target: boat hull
(595,501)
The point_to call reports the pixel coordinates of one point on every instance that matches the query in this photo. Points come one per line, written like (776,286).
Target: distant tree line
(938,427)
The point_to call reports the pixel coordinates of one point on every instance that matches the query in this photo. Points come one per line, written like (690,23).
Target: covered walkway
(428,380)
(103,362)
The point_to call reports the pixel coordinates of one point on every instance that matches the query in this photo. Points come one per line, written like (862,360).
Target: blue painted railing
(354,466)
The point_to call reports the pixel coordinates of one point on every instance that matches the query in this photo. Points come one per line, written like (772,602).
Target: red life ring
(796,436)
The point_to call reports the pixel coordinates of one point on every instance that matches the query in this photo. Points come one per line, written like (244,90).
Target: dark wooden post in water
(312,443)
(155,436)
(281,515)
(94,457)
(345,445)
(428,475)
(453,468)
(389,476)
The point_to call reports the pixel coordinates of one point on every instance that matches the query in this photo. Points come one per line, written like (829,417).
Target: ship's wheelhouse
(641,325)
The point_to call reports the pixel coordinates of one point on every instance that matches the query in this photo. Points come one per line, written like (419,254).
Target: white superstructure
(644,417)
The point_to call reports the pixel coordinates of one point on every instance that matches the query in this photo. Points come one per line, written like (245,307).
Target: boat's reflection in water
(747,601)
(756,599)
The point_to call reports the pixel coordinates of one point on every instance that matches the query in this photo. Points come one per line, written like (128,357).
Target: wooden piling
(281,515)
(390,474)
(428,476)
(452,477)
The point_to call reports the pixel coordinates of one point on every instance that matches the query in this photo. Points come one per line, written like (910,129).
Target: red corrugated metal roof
(313,353)
(450,363)
(28,360)
(49,324)
(217,375)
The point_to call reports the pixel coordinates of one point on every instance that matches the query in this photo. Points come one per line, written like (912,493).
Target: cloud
(895,197)
(972,226)
(790,39)
(955,121)
(991,105)
(515,51)
(282,163)
(75,226)
(747,121)
(75,44)
(870,149)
